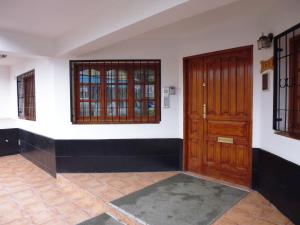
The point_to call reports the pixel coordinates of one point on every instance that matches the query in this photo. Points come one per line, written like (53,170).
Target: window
(286,117)
(26,96)
(115,91)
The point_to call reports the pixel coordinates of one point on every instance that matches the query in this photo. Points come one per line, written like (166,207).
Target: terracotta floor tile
(118,184)
(95,209)
(66,208)
(34,208)
(56,201)
(10,216)
(274,216)
(8,205)
(30,196)
(20,222)
(224,221)
(56,222)
(43,217)
(111,195)
(77,217)
(262,222)
(19,196)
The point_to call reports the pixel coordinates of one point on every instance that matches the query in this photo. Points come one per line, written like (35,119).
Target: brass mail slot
(225,140)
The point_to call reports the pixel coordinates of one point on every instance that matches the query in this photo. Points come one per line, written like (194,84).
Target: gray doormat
(103,219)
(180,200)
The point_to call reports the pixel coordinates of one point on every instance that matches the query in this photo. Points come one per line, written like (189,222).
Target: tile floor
(29,196)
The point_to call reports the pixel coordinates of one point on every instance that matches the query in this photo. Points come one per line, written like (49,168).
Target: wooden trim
(218,52)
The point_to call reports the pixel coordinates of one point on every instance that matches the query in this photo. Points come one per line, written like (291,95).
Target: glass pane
(111,92)
(149,91)
(95,76)
(123,109)
(122,76)
(138,76)
(122,92)
(137,91)
(151,108)
(84,109)
(84,92)
(111,76)
(95,94)
(111,109)
(95,109)
(138,108)
(84,76)
(21,107)
(150,74)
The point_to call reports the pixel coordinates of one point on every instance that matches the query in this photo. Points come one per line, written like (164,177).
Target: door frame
(185,101)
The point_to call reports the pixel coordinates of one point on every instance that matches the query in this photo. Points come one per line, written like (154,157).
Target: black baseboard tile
(278,180)
(38,149)
(119,155)
(9,141)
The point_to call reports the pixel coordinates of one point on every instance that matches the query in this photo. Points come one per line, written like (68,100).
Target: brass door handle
(204,111)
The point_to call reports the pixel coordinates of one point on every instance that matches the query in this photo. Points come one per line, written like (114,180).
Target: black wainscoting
(279,181)
(122,155)
(9,142)
(38,149)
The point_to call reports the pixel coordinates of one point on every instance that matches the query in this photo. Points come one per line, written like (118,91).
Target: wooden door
(218,114)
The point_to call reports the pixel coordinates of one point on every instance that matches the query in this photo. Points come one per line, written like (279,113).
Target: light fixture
(264,41)
(3,56)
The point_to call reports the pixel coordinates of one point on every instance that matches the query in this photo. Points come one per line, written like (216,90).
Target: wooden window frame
(112,115)
(26,91)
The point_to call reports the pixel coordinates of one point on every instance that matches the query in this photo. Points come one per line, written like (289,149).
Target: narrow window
(26,96)
(286,118)
(115,91)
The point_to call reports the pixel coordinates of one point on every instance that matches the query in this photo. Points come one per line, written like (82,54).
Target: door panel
(195,120)
(219,143)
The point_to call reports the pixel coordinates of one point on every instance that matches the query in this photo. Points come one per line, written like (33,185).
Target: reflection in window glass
(150,74)
(84,76)
(137,92)
(149,91)
(84,92)
(95,109)
(95,77)
(122,92)
(111,109)
(111,92)
(123,109)
(138,76)
(95,94)
(138,110)
(111,76)
(122,76)
(151,108)
(84,109)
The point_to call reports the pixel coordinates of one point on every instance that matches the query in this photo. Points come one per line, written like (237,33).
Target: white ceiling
(54,18)
(49,28)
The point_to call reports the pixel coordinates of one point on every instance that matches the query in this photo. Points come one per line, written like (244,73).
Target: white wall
(5,104)
(235,25)
(135,49)
(44,86)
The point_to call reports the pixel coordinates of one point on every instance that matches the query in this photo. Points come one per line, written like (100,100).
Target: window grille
(26,95)
(115,91)
(287,81)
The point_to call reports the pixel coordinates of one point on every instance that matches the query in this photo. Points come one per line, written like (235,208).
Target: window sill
(288,135)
